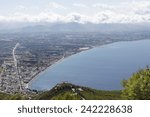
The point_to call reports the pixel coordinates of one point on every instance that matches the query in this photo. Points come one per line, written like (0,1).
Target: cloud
(103,6)
(100,17)
(136,7)
(41,17)
(104,17)
(133,12)
(20,7)
(77,17)
(80,5)
(2,18)
(141,8)
(55,5)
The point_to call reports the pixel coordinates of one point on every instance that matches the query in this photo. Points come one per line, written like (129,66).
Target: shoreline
(61,59)
(43,70)
(50,66)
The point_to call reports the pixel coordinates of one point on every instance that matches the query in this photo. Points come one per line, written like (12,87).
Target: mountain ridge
(76,27)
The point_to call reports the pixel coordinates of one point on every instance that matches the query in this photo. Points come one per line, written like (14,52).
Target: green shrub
(138,86)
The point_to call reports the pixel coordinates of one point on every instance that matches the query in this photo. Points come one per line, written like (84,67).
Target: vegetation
(1,69)
(92,94)
(4,96)
(138,86)
(18,97)
(66,91)
(68,95)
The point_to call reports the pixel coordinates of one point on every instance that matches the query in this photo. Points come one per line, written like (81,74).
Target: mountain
(75,27)
(89,27)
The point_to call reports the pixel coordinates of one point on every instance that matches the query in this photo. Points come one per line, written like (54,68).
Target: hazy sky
(75,10)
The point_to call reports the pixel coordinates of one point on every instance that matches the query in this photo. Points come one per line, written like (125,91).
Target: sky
(81,11)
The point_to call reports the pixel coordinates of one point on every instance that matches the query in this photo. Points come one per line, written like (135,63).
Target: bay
(102,67)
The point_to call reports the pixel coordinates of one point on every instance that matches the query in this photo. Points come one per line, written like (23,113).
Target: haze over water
(102,67)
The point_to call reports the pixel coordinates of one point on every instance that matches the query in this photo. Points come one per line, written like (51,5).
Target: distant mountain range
(73,27)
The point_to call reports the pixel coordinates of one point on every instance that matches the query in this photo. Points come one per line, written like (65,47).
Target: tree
(137,87)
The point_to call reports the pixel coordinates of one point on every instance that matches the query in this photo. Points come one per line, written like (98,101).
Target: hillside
(66,91)
(17,96)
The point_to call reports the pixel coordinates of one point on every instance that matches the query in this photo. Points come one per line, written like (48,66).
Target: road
(16,66)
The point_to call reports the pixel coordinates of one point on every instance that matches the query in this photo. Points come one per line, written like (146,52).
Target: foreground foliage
(138,86)
(17,96)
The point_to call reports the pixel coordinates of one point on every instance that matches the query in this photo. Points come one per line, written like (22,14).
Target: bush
(138,86)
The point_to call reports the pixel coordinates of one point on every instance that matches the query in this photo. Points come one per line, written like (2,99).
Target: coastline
(60,60)
(50,67)
(65,57)
(42,71)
